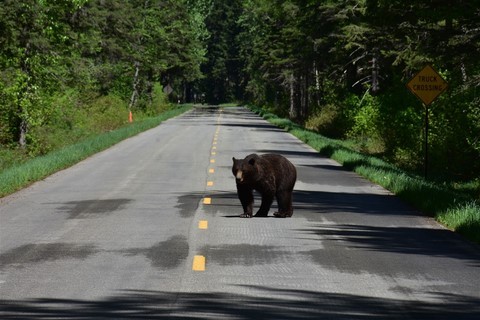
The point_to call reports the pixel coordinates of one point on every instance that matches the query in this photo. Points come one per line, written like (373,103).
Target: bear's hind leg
(285,208)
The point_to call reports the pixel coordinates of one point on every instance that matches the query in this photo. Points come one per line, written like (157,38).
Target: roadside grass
(465,218)
(457,210)
(19,176)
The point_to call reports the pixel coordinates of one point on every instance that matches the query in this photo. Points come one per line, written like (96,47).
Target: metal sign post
(426,141)
(427,85)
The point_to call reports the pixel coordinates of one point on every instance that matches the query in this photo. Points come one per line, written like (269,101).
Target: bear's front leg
(245,195)
(267,200)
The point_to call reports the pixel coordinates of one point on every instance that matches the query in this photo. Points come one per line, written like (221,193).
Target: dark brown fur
(272,175)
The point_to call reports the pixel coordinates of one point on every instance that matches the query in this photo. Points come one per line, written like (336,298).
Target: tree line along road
(150,229)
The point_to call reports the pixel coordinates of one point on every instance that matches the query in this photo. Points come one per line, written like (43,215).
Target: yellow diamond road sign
(427,85)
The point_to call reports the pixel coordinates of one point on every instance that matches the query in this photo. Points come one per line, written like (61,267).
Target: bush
(72,118)
(328,121)
(106,113)
(159,100)
(365,117)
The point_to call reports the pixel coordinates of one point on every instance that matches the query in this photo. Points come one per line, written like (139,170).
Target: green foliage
(106,113)
(328,120)
(9,157)
(366,117)
(340,67)
(72,68)
(159,100)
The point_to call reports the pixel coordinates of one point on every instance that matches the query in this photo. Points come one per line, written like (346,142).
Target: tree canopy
(94,48)
(338,67)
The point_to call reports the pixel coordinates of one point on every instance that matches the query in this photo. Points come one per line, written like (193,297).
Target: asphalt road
(149,229)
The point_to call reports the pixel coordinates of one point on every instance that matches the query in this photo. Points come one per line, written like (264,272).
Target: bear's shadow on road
(274,304)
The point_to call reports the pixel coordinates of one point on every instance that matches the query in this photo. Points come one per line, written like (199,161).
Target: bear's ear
(251,161)
(234,160)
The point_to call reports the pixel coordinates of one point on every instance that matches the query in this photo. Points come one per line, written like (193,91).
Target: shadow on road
(361,221)
(288,304)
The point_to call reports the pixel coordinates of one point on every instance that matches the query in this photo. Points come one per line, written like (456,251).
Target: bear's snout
(239,176)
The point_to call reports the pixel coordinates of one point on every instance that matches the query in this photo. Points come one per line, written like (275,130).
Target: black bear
(272,175)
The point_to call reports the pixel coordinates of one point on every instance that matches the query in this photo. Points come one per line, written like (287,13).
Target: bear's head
(245,170)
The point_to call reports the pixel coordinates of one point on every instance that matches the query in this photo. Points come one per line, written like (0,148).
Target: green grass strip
(457,211)
(464,218)
(20,176)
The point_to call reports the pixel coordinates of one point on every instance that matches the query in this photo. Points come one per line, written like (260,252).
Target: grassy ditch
(458,211)
(19,176)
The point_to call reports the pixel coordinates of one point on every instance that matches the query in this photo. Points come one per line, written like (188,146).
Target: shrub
(328,121)
(106,113)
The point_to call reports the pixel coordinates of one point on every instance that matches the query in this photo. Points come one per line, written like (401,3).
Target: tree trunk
(293,110)
(464,72)
(317,84)
(23,134)
(304,95)
(133,98)
(375,76)
(23,94)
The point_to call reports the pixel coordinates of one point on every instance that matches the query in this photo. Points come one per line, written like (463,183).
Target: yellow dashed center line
(198,263)
(198,260)
(203,224)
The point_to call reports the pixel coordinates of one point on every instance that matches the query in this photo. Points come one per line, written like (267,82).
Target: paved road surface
(119,235)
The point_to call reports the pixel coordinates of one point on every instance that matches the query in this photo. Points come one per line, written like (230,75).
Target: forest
(341,68)
(69,68)
(74,68)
